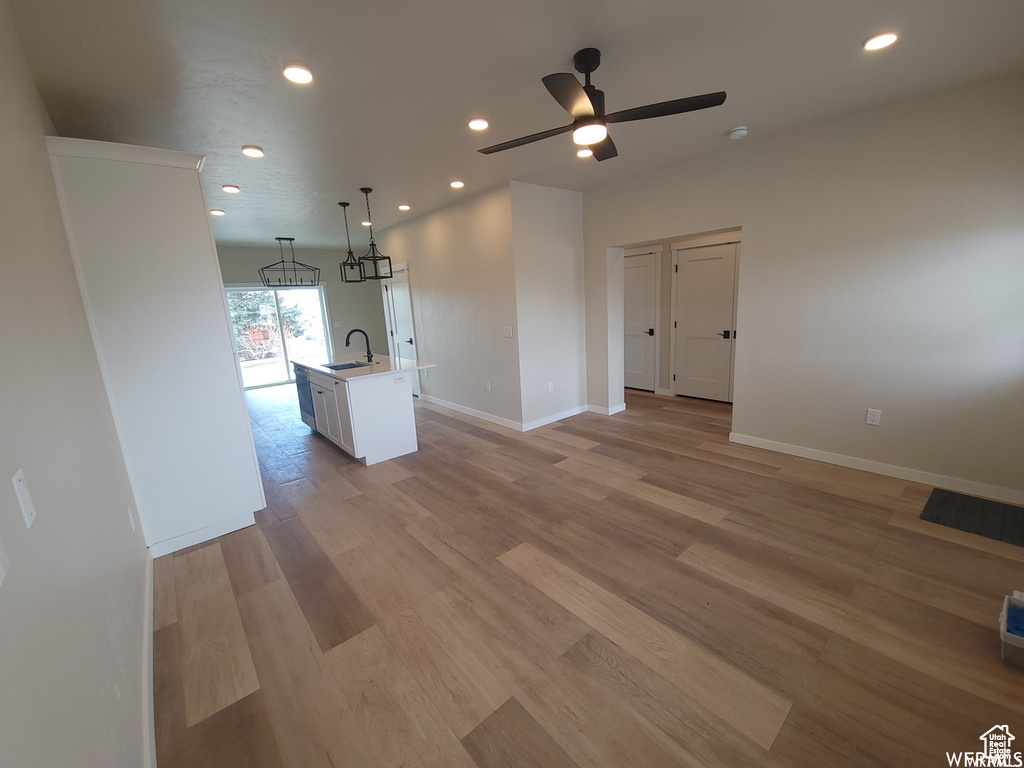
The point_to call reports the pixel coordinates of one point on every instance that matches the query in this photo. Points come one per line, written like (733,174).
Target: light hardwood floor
(614,591)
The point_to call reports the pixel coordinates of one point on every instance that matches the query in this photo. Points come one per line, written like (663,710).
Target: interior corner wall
(72,605)
(883,267)
(462,284)
(547,246)
(349,305)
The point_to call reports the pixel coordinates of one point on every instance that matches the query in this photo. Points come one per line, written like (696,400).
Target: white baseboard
(607,411)
(165,547)
(518,427)
(668,392)
(148,709)
(554,417)
(1007,495)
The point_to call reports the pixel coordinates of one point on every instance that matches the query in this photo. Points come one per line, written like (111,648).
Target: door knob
(409,340)
(724,334)
(650,331)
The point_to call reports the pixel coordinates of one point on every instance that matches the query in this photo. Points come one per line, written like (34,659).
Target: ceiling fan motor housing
(587,60)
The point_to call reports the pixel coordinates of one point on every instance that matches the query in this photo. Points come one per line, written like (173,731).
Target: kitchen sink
(348,366)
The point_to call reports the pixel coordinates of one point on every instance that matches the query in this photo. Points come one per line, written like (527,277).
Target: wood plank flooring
(614,591)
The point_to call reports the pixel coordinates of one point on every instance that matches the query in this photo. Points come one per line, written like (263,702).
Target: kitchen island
(366,409)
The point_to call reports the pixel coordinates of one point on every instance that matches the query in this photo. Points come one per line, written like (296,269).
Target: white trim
(554,417)
(607,411)
(127,153)
(148,707)
(1007,495)
(167,546)
(664,392)
(703,241)
(517,426)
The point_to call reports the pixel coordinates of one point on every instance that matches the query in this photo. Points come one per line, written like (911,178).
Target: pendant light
(289,272)
(352,270)
(377,266)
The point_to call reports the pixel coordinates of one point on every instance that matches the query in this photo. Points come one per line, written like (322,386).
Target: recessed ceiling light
(231,189)
(298,74)
(478,124)
(457,184)
(404,207)
(251,150)
(877,42)
(216,212)
(585,152)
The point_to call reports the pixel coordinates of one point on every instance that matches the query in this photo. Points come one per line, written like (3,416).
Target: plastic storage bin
(1013,645)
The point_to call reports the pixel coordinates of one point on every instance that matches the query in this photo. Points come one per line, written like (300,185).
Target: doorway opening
(679,315)
(272,327)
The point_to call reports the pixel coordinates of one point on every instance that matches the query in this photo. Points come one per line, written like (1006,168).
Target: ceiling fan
(585,103)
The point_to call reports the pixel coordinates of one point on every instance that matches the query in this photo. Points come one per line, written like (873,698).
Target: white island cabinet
(366,410)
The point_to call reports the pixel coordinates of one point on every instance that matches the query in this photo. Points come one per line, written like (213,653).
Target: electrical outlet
(874,417)
(401,378)
(506,331)
(487,386)
(5,564)
(28,509)
(551,386)
(131,518)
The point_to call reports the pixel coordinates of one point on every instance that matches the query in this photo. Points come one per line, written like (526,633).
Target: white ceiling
(397,81)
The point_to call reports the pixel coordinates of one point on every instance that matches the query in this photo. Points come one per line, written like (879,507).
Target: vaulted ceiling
(396,82)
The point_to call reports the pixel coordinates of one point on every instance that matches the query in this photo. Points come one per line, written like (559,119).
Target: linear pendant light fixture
(376,266)
(289,272)
(352,270)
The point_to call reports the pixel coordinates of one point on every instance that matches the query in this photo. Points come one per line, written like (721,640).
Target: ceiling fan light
(590,133)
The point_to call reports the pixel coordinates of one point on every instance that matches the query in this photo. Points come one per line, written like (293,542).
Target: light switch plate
(28,510)
(5,564)
(874,417)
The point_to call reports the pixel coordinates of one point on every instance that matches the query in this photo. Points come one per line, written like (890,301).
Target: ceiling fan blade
(674,107)
(525,140)
(604,149)
(569,93)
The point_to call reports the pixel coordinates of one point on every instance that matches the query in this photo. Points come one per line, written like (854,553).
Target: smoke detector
(737,133)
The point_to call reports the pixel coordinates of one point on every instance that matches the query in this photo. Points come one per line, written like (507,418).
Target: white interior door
(398,317)
(705,311)
(640,313)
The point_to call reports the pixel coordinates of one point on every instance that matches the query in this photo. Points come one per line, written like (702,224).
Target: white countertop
(382,365)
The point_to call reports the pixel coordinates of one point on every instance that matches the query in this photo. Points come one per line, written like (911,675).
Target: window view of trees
(269,334)
(257,331)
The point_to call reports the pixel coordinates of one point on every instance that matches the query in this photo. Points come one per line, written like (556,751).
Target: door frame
(690,243)
(658,251)
(390,320)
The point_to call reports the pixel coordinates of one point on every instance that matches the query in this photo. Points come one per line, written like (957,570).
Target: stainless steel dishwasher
(305,396)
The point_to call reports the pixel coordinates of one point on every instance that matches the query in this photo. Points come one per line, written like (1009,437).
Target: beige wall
(547,245)
(882,267)
(72,606)
(350,305)
(462,281)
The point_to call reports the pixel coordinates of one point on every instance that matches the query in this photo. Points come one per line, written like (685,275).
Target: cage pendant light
(352,270)
(289,271)
(377,266)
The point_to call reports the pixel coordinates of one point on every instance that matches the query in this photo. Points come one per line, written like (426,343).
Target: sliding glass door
(272,327)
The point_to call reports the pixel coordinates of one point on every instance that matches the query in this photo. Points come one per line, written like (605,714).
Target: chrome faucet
(369,354)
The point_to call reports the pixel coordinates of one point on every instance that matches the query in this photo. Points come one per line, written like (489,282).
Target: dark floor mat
(991,519)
